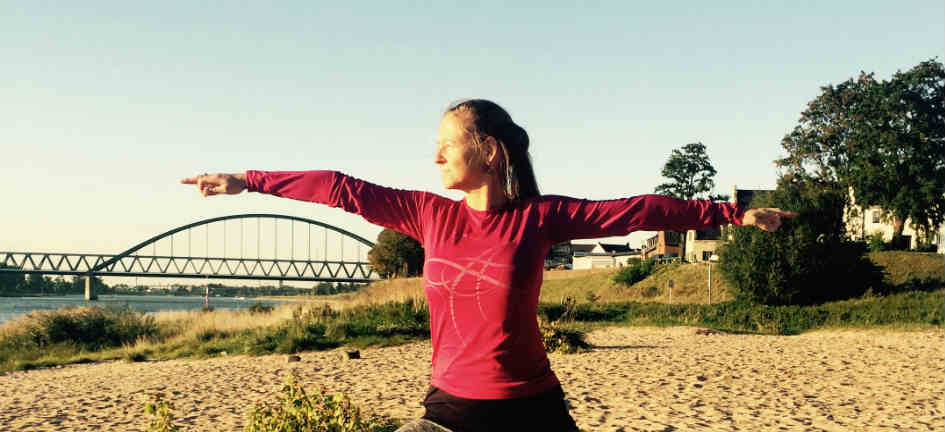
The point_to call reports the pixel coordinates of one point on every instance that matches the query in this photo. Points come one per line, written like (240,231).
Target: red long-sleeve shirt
(483,269)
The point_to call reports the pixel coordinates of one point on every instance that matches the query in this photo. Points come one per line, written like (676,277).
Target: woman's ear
(493,152)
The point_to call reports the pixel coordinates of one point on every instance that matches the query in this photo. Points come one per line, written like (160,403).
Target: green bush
(259,307)
(162,419)
(596,312)
(563,340)
(650,291)
(554,336)
(635,272)
(876,242)
(807,261)
(88,328)
(134,357)
(324,328)
(296,410)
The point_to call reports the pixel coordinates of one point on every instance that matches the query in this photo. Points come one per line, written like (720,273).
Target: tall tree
(690,171)
(396,254)
(885,140)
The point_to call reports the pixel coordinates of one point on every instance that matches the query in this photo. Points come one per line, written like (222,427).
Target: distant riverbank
(12,307)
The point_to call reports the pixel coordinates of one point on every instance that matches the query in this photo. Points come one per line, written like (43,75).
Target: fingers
(207,184)
(768,222)
(783,213)
(217,184)
(769,219)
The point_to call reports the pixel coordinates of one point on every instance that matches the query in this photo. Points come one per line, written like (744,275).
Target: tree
(884,140)
(396,254)
(37,284)
(690,172)
(324,288)
(78,285)
(10,283)
(808,260)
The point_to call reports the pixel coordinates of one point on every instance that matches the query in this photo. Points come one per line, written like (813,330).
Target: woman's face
(460,167)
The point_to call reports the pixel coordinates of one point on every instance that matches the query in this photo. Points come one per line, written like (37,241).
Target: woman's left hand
(768,219)
(216,184)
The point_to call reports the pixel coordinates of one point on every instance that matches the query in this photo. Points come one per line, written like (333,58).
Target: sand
(636,379)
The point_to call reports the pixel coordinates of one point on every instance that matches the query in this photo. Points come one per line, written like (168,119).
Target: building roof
(616,248)
(608,248)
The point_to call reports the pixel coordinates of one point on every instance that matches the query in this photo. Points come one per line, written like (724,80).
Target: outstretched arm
(572,218)
(400,210)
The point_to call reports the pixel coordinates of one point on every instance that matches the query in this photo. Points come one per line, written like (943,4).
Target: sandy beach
(636,379)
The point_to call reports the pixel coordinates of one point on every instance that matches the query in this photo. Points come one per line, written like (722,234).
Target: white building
(602,255)
(865,222)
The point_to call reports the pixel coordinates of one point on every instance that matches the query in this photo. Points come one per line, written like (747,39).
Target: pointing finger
(189,180)
(784,213)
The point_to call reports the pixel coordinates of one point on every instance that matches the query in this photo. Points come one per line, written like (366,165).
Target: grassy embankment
(81,335)
(391,312)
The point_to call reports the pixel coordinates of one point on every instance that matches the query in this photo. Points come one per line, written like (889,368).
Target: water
(14,306)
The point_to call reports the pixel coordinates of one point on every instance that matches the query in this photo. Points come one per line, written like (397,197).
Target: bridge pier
(89,289)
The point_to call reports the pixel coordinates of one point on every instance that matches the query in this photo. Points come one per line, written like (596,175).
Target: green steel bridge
(295,260)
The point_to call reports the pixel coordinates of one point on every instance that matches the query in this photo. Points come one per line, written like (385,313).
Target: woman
(484,258)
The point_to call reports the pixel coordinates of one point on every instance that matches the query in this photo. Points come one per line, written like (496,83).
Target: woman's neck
(487,197)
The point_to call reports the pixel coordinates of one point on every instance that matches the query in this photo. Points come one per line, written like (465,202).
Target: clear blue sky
(105,105)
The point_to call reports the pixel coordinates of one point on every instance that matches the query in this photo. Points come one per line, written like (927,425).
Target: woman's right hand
(215,184)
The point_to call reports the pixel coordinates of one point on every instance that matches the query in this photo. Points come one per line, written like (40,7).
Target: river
(14,306)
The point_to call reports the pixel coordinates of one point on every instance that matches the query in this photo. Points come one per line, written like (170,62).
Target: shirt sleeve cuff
(253,180)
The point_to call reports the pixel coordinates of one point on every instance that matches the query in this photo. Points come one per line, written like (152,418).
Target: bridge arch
(106,263)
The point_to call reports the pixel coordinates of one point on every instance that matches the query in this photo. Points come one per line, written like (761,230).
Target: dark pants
(544,412)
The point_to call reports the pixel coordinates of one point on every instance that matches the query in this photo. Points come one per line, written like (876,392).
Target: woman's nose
(438,158)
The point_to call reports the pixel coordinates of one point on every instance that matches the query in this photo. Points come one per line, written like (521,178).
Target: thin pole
(309,242)
(710,282)
(275,235)
(292,241)
(241,236)
(189,245)
(258,254)
(224,239)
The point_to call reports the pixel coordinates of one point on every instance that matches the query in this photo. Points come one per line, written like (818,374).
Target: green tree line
(18,284)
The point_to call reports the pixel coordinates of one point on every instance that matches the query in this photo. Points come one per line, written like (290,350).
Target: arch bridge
(293,260)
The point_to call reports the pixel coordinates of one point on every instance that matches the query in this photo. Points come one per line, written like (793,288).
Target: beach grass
(318,327)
